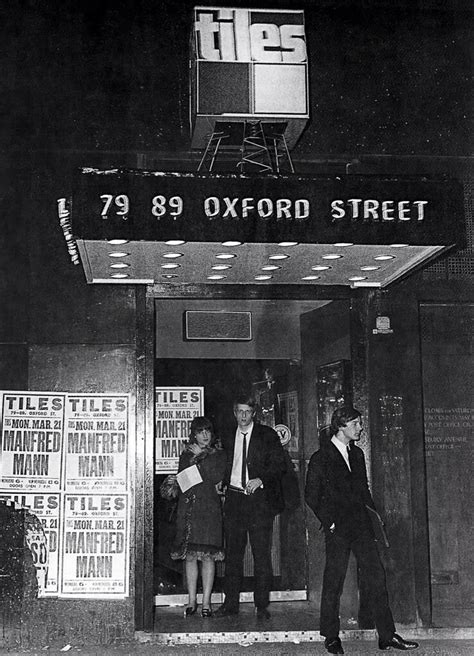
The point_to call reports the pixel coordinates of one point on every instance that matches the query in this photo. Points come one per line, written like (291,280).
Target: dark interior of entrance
(291,341)
(220,380)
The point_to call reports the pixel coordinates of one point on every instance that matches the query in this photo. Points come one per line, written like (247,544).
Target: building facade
(389,100)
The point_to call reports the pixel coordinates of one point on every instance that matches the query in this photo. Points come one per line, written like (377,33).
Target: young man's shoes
(206,611)
(263,614)
(397,642)
(333,645)
(225,611)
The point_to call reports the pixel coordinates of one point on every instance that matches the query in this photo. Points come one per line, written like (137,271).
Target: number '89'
(160,205)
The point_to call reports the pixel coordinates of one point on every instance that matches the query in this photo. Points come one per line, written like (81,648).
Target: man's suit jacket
(265,460)
(337,495)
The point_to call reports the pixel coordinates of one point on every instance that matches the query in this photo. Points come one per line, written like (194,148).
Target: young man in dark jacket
(253,496)
(337,492)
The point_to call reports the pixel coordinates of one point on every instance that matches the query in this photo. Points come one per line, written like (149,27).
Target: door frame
(145,356)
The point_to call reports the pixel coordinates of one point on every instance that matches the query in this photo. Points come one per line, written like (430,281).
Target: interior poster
(175,408)
(288,402)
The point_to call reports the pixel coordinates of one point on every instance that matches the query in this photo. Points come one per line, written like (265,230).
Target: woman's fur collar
(207,451)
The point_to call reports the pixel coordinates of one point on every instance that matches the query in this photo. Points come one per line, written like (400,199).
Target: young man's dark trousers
(372,573)
(243,518)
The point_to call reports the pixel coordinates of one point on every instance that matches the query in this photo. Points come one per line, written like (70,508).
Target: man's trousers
(371,572)
(242,518)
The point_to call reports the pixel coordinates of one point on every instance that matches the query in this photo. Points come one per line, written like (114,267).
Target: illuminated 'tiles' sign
(244,35)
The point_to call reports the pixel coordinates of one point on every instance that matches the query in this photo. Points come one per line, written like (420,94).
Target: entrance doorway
(279,382)
(290,341)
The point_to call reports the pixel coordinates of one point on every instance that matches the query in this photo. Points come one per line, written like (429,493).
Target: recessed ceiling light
(175,242)
(357,278)
(170,265)
(369,267)
(310,278)
(398,245)
(262,277)
(343,244)
(120,275)
(215,276)
(270,267)
(384,257)
(172,255)
(288,243)
(281,256)
(117,242)
(332,256)
(232,243)
(221,267)
(320,267)
(118,254)
(225,256)
(119,265)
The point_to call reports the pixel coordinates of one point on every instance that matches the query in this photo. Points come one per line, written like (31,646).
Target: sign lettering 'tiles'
(242,35)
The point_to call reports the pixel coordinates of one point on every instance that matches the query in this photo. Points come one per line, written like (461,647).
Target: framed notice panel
(333,389)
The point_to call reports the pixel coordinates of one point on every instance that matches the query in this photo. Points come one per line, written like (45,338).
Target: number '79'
(121,201)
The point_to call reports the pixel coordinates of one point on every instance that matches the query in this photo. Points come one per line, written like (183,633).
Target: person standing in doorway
(253,496)
(199,534)
(337,492)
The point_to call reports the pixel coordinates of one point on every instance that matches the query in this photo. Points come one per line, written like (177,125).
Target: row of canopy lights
(118,267)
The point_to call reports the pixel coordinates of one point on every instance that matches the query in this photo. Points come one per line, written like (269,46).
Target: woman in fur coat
(199,537)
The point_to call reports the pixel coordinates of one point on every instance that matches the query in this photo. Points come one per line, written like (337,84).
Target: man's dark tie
(349,455)
(244,460)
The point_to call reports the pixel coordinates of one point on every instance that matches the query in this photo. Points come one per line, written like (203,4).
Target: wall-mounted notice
(64,479)
(96,443)
(32,434)
(41,523)
(95,546)
(175,408)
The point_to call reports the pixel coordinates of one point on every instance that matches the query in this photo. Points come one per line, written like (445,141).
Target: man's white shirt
(342,448)
(236,474)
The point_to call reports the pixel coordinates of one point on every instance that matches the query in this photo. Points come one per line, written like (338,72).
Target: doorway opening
(278,395)
(291,341)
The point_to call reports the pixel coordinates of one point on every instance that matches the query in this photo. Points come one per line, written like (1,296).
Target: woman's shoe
(190,610)
(206,612)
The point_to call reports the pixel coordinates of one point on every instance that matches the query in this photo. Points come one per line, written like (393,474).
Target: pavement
(291,631)
(428,647)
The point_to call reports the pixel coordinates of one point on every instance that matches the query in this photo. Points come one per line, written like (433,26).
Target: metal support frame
(258,146)
(211,150)
(254,150)
(281,153)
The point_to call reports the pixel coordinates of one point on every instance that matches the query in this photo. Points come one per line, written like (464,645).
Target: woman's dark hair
(198,424)
(342,415)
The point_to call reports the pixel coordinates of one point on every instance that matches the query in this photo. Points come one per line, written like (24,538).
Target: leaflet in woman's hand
(188,478)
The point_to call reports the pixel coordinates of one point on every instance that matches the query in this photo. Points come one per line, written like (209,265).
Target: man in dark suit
(253,496)
(337,491)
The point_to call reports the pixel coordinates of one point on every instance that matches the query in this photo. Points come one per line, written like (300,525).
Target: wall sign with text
(64,463)
(156,206)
